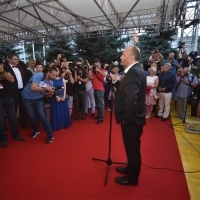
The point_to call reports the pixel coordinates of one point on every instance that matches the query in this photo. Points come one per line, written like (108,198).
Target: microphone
(116,63)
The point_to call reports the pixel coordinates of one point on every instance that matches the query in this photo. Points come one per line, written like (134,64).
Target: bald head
(130,55)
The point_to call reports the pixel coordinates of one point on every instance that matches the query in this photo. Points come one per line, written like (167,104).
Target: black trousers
(131,137)
(22,110)
(79,101)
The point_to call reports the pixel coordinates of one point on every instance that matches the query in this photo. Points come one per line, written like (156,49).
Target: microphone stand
(109,160)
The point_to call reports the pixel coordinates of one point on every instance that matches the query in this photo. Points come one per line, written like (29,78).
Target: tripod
(109,160)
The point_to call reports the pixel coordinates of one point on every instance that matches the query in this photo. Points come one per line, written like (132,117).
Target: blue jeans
(35,108)
(99,101)
(8,106)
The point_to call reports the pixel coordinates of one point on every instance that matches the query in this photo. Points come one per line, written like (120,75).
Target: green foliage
(7,49)
(38,47)
(107,48)
(64,46)
(147,43)
(198,45)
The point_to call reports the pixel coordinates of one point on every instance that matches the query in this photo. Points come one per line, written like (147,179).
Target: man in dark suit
(20,80)
(130,112)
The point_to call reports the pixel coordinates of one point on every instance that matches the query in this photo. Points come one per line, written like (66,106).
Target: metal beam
(59,20)
(9,21)
(129,12)
(104,14)
(83,18)
(39,17)
(71,13)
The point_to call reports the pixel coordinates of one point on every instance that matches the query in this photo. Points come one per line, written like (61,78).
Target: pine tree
(106,46)
(147,43)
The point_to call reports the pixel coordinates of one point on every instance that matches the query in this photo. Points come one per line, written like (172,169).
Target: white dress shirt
(18,76)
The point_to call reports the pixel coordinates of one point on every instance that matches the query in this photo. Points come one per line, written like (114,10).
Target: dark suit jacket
(130,97)
(14,86)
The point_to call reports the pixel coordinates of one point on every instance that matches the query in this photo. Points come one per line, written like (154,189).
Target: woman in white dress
(152,84)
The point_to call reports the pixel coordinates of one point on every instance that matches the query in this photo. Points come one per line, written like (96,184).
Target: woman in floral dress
(152,84)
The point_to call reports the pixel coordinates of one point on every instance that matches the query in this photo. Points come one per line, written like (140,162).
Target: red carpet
(65,169)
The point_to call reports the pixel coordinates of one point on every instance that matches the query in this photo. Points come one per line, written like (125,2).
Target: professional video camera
(180,44)
(73,67)
(3,60)
(193,54)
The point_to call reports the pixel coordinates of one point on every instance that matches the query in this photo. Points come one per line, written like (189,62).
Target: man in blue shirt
(32,98)
(167,80)
(174,63)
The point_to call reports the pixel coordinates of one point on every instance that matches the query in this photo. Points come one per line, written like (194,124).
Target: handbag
(157,96)
(192,99)
(61,96)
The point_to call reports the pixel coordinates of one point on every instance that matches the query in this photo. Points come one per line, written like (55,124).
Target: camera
(94,67)
(63,56)
(74,67)
(85,62)
(57,89)
(193,54)
(3,60)
(180,44)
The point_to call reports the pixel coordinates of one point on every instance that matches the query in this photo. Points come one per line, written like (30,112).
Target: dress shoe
(122,170)
(125,181)
(97,117)
(93,114)
(99,121)
(163,119)
(76,119)
(26,126)
(18,138)
(83,118)
(4,143)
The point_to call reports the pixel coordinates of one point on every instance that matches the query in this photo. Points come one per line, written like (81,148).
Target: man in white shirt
(17,86)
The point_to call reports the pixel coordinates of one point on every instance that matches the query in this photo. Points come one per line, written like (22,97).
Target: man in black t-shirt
(7,106)
(80,78)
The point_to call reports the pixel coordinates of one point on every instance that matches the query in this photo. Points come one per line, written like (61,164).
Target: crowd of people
(63,92)
(55,96)
(171,79)
(52,96)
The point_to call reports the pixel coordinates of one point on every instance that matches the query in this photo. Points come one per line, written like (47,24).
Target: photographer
(89,92)
(185,85)
(79,89)
(62,58)
(32,98)
(173,62)
(69,81)
(182,56)
(195,63)
(98,74)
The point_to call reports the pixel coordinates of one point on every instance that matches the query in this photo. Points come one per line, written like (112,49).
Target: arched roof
(29,20)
